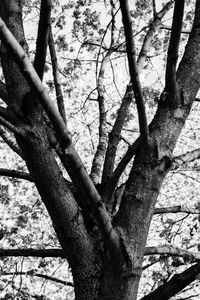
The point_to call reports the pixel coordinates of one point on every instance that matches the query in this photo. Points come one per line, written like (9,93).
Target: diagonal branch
(66,150)
(42,37)
(9,140)
(150,33)
(114,136)
(59,94)
(185,158)
(177,283)
(131,53)
(172,56)
(34,273)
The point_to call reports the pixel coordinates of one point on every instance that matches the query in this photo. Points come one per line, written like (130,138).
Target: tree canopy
(99,127)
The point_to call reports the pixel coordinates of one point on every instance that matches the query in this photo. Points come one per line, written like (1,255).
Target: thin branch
(32,252)
(187,157)
(42,37)
(172,56)
(114,136)
(59,94)
(101,148)
(169,29)
(130,48)
(12,127)
(114,139)
(15,174)
(34,273)
(176,209)
(66,151)
(177,283)
(151,32)
(10,141)
(173,251)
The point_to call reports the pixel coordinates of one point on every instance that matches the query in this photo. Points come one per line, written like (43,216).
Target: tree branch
(172,56)
(114,136)
(130,48)
(34,273)
(59,94)
(42,37)
(187,157)
(32,252)
(15,174)
(173,251)
(10,142)
(101,148)
(175,284)
(150,34)
(176,209)
(67,153)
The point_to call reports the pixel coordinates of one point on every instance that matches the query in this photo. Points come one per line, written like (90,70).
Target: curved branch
(42,37)
(150,33)
(177,283)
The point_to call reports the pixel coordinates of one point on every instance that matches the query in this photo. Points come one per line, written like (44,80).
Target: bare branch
(15,174)
(187,157)
(101,148)
(59,94)
(150,33)
(42,37)
(67,153)
(32,252)
(172,56)
(176,209)
(12,127)
(10,141)
(173,251)
(175,284)
(130,48)
(34,273)
(114,136)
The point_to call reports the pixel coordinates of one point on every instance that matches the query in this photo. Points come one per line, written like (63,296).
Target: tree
(101,224)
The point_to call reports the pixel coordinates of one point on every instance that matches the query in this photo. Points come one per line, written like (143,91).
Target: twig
(187,157)
(173,251)
(42,37)
(32,252)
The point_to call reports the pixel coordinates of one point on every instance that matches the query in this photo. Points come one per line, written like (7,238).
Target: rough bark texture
(97,274)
